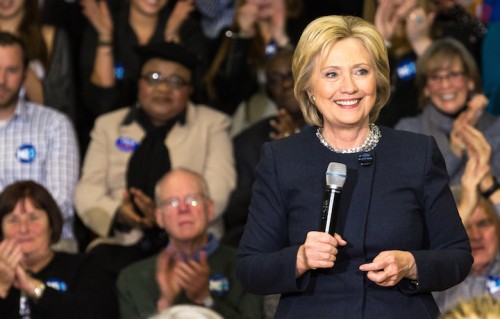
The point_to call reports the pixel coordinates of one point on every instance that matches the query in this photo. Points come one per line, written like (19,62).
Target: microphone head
(336,175)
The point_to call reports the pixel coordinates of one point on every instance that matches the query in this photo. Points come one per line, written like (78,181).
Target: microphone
(335,179)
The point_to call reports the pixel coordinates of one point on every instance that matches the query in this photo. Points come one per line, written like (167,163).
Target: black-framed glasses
(190,200)
(173,82)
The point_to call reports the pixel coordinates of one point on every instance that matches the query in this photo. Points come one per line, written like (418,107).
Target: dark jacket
(75,288)
(400,202)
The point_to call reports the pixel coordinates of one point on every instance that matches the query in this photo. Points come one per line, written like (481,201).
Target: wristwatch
(38,292)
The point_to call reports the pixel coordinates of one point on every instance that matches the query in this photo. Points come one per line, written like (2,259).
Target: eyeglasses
(452,77)
(173,82)
(279,78)
(190,200)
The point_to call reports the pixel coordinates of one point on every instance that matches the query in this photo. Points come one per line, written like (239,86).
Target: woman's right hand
(97,12)
(318,251)
(169,289)
(10,256)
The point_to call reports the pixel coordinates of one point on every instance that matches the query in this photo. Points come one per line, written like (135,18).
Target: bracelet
(104,43)
(493,188)
(38,292)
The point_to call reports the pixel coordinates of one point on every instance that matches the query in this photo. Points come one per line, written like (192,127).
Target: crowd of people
(167,158)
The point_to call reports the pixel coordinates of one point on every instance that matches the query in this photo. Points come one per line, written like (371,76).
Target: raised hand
(192,276)
(145,204)
(97,12)
(10,257)
(127,215)
(181,12)
(169,289)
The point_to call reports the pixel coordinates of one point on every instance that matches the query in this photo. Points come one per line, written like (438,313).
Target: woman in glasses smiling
(450,93)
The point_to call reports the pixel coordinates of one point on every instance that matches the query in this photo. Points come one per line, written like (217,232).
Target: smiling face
(482,231)
(29,226)
(11,8)
(447,87)
(183,208)
(343,85)
(161,101)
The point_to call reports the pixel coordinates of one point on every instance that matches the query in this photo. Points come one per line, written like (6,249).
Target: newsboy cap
(167,51)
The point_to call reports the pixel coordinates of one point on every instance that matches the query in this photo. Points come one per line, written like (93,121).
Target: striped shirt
(38,143)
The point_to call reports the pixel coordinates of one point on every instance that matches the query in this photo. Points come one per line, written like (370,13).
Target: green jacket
(138,291)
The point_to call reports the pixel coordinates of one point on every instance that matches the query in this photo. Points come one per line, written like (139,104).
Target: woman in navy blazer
(398,235)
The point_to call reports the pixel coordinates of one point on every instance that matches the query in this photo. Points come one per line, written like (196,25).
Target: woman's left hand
(25,282)
(389,267)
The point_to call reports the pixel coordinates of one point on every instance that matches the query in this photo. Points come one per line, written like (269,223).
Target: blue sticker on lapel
(119,71)
(57,284)
(219,285)
(406,70)
(493,284)
(26,153)
(126,144)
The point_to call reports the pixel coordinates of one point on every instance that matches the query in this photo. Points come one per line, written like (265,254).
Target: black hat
(167,51)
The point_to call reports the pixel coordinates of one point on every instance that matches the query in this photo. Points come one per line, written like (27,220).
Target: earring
(312,99)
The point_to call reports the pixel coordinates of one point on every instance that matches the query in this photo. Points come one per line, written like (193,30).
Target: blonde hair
(481,307)
(319,36)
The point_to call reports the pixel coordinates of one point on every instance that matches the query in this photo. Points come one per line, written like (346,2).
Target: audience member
(405,27)
(247,144)
(259,30)
(454,19)
(482,307)
(483,229)
(408,28)
(35,281)
(481,222)
(36,142)
(131,148)
(450,91)
(49,78)
(110,66)
(194,268)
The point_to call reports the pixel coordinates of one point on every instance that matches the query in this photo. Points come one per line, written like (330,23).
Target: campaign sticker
(26,153)
(57,284)
(126,144)
(406,70)
(219,285)
(119,71)
(493,284)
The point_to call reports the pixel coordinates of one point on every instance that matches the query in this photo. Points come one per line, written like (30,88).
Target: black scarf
(146,166)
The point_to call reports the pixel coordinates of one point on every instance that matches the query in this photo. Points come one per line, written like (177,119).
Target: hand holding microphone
(321,247)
